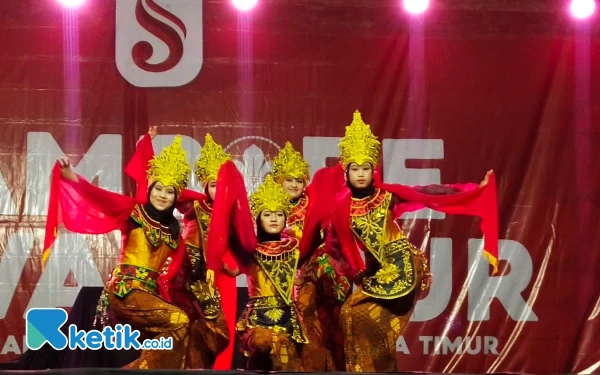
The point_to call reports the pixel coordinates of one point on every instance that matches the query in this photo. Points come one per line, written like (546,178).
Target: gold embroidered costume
(270,327)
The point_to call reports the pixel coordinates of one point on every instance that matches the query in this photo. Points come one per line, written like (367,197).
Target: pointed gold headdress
(359,145)
(289,162)
(170,167)
(270,196)
(210,160)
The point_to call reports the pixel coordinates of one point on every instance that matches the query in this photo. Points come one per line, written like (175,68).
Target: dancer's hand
(294,231)
(66,170)
(165,267)
(487,178)
(152,132)
(304,274)
(229,271)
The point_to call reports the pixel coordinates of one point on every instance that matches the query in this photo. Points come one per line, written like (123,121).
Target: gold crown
(289,162)
(359,145)
(170,167)
(270,196)
(210,160)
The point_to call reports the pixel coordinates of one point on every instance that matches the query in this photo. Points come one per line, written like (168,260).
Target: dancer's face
(293,186)
(272,222)
(212,189)
(162,197)
(360,176)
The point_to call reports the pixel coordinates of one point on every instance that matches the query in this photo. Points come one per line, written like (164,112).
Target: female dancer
(319,294)
(365,215)
(213,332)
(269,327)
(137,292)
(211,310)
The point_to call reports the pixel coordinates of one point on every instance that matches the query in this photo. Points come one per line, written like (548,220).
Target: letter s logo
(159,42)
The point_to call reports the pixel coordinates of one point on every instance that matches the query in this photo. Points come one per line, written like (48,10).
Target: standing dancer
(212,335)
(365,217)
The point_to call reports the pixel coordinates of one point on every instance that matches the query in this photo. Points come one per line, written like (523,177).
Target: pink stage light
(71,3)
(416,6)
(244,5)
(582,8)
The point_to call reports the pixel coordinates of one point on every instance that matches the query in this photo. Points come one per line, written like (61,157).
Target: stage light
(416,6)
(582,8)
(244,5)
(71,3)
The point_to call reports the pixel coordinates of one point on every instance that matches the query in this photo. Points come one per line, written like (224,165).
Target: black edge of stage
(111,371)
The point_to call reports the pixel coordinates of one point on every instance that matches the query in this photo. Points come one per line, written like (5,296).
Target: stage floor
(109,371)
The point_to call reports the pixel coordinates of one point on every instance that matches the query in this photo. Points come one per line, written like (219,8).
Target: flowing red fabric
(164,281)
(471,199)
(227,286)
(82,208)
(230,217)
(189,196)
(321,194)
(316,210)
(137,168)
(87,209)
(340,221)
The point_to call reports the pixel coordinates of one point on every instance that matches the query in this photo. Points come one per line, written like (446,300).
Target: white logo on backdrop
(252,161)
(159,42)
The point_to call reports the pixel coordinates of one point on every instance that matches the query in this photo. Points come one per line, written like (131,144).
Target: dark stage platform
(108,371)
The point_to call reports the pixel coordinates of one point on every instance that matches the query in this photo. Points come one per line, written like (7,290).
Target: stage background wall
(498,85)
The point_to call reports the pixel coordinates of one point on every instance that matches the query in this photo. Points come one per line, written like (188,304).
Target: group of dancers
(314,303)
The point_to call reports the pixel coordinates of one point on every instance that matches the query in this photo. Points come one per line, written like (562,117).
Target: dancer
(137,292)
(269,327)
(319,294)
(375,315)
(213,332)
(209,301)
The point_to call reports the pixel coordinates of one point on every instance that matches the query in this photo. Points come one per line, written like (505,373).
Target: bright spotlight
(244,5)
(582,8)
(416,6)
(71,3)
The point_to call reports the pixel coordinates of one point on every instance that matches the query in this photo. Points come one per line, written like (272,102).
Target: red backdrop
(464,91)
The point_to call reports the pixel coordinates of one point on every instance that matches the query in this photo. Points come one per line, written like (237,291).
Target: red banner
(450,97)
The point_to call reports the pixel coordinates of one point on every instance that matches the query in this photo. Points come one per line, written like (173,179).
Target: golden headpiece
(210,160)
(359,145)
(170,167)
(270,196)
(289,162)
